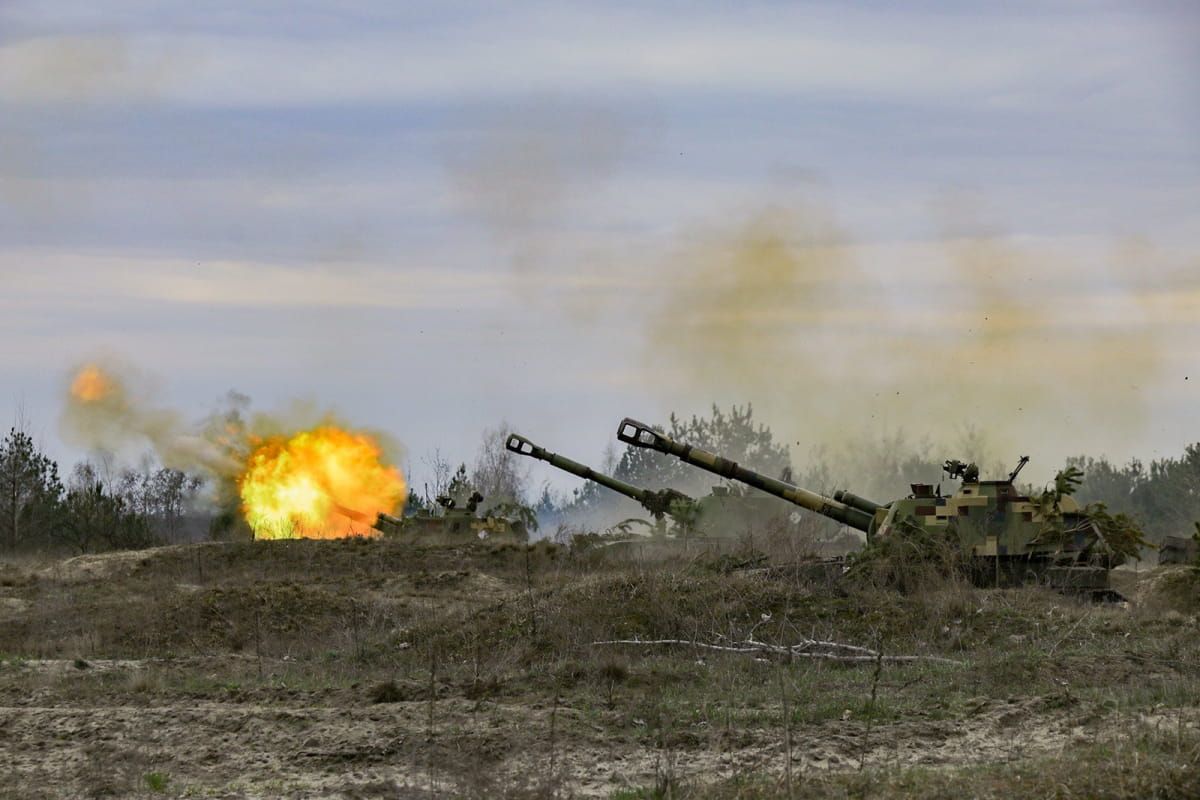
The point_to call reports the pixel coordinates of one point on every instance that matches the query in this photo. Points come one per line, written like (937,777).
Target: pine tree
(30,492)
(97,519)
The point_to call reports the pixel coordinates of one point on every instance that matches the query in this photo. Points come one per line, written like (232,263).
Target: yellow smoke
(968,341)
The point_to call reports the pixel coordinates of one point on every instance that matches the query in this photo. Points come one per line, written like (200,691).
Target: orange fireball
(294,487)
(91,385)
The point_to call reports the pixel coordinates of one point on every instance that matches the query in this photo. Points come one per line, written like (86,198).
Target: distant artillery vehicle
(1179,550)
(1011,538)
(456,522)
(452,523)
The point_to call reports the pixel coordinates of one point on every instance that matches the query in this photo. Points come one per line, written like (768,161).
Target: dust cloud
(974,341)
(970,343)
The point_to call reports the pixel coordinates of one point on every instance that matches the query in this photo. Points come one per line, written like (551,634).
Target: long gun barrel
(380,522)
(656,502)
(857,501)
(639,434)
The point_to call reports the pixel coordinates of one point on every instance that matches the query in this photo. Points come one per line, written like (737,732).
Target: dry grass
(380,669)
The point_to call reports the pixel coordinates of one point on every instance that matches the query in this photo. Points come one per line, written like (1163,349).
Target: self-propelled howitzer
(1009,536)
(660,502)
(857,512)
(452,522)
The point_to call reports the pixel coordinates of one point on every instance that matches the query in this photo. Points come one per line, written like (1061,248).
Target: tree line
(94,509)
(1163,496)
(98,508)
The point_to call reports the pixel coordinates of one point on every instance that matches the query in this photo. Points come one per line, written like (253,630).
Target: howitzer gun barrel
(379,522)
(387,519)
(639,434)
(856,501)
(657,502)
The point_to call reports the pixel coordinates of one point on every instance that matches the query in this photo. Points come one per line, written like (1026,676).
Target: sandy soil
(292,744)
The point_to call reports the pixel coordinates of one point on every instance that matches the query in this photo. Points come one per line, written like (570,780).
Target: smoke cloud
(110,406)
(300,473)
(977,343)
(972,340)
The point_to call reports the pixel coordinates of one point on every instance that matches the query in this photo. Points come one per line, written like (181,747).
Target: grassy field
(372,669)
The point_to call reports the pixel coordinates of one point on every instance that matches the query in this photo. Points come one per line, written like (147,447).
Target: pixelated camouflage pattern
(991,519)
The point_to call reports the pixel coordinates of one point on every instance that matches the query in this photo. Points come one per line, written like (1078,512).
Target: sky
(435,218)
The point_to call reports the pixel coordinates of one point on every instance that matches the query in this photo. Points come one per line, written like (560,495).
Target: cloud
(86,69)
(65,279)
(793,50)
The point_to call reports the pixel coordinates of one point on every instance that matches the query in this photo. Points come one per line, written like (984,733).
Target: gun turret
(855,515)
(658,503)
(969,473)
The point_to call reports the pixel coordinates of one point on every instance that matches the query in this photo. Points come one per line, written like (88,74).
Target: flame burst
(91,385)
(323,482)
(293,487)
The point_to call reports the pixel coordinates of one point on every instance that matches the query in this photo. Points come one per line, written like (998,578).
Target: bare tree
(499,474)
(163,496)
(442,473)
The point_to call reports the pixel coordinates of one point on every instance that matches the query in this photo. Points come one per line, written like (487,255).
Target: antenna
(1012,476)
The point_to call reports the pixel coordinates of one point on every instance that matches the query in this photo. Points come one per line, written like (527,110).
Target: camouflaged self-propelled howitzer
(660,503)
(1011,537)
(453,523)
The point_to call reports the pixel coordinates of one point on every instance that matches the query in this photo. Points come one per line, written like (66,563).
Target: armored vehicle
(1011,537)
(451,522)
(1178,550)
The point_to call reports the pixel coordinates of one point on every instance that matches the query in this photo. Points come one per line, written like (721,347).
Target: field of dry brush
(377,668)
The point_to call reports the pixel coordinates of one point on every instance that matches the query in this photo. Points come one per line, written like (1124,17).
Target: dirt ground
(383,669)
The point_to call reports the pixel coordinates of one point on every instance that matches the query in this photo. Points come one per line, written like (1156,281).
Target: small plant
(387,692)
(913,558)
(612,673)
(157,781)
(1196,536)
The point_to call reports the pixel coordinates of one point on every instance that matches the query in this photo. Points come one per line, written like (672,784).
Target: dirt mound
(1166,588)
(105,566)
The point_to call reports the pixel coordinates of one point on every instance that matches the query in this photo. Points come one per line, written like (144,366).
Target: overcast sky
(437,217)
